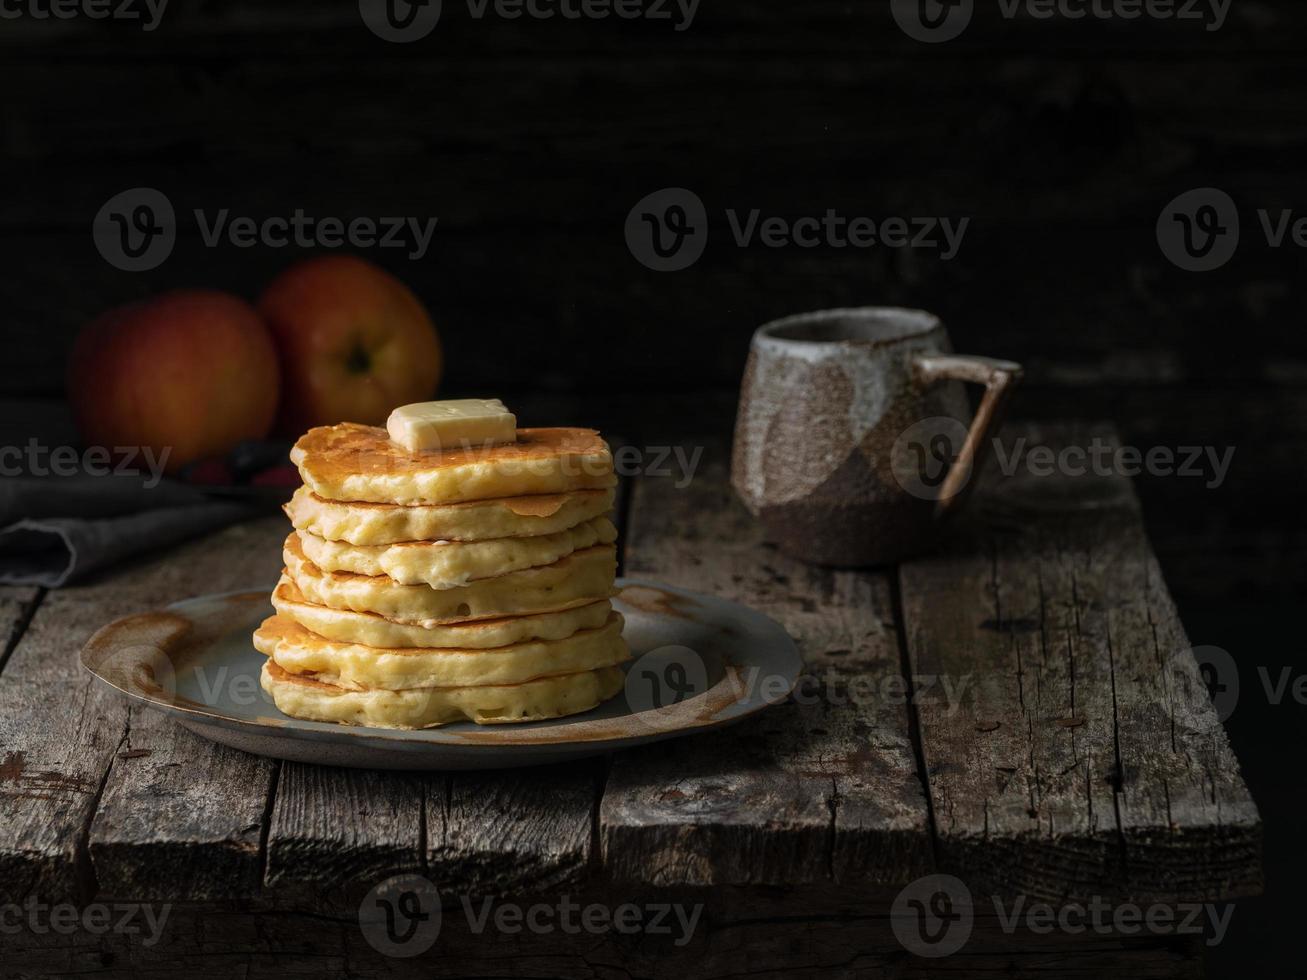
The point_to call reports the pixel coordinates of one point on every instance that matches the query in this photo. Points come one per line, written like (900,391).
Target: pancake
(579,579)
(377,631)
(474,520)
(358,668)
(359,462)
(548,697)
(449,564)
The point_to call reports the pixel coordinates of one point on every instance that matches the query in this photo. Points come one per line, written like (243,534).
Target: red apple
(192,372)
(354,343)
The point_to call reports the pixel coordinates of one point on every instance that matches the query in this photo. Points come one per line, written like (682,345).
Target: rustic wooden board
(62,735)
(17,606)
(180,815)
(333,828)
(823,787)
(512,833)
(1060,773)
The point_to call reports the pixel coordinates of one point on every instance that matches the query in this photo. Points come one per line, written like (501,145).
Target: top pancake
(360,462)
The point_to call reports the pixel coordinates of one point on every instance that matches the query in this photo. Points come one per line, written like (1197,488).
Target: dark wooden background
(1061,140)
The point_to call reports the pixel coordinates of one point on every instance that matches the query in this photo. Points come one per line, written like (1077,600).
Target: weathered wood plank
(62,734)
(343,829)
(1059,773)
(1190,826)
(17,606)
(823,786)
(181,817)
(512,833)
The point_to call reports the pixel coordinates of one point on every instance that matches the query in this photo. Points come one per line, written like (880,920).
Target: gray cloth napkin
(56,530)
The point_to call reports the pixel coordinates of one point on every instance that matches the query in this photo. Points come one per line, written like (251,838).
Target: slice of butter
(458,424)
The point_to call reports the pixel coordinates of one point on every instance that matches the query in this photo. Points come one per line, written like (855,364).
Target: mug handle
(999,378)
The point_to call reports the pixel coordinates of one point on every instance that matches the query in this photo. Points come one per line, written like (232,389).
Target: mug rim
(905,323)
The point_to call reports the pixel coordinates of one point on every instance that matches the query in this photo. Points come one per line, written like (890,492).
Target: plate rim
(428,739)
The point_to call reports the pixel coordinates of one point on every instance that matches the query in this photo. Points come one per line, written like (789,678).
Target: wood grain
(1060,773)
(61,734)
(180,815)
(513,833)
(822,787)
(342,829)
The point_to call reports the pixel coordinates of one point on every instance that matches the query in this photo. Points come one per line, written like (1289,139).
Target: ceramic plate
(699,663)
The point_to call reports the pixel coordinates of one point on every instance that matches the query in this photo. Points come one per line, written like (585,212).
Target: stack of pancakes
(431,587)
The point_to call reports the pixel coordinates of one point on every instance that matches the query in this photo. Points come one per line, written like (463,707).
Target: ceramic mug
(854,438)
